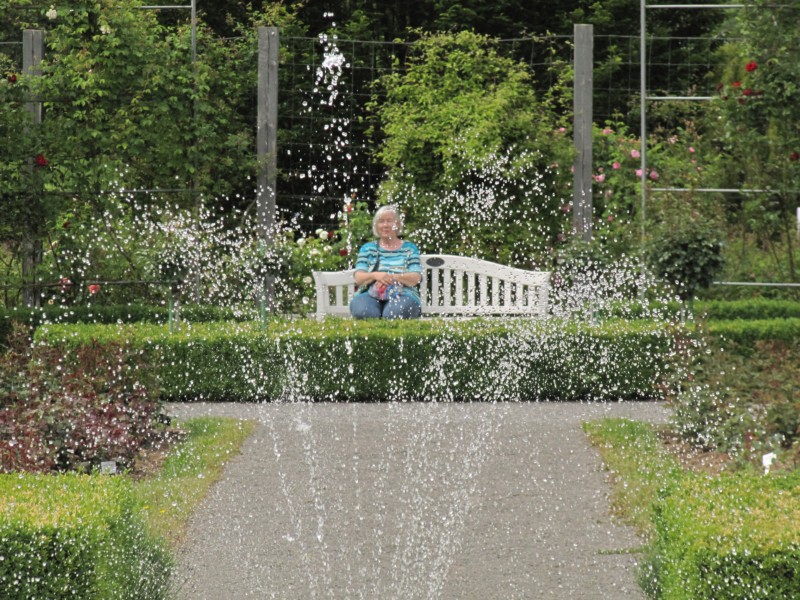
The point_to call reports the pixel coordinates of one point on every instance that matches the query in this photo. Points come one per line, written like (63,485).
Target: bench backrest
(452,285)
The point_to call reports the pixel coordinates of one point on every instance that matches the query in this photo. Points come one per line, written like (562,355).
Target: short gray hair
(388,208)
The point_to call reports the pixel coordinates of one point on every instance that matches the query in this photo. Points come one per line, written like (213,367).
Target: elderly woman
(387,271)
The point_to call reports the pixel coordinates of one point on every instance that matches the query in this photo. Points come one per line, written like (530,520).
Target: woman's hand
(385,278)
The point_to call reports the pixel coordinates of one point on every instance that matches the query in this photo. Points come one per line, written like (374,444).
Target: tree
(474,158)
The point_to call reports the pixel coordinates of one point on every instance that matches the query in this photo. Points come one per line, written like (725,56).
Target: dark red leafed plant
(73,412)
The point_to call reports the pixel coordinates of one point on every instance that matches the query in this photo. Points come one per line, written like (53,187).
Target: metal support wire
(644,98)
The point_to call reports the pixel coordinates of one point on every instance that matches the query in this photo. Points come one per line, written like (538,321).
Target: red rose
(794,156)
(747,92)
(751,66)
(330,235)
(40,160)
(12,78)
(94,288)
(342,251)
(736,84)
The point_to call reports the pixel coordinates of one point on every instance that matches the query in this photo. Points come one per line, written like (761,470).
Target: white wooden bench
(451,285)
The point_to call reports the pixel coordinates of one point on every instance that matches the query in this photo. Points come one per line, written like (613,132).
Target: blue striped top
(404,259)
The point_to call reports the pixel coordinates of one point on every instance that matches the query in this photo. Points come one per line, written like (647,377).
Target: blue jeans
(365,306)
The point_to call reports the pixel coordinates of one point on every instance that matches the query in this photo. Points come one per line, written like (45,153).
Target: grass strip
(642,470)
(170,498)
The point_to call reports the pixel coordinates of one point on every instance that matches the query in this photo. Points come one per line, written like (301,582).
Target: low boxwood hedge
(76,536)
(433,359)
(731,537)
(747,333)
(750,309)
(119,313)
(734,536)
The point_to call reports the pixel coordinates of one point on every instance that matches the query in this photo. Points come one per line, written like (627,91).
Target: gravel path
(405,501)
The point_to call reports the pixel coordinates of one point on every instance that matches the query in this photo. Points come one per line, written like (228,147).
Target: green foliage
(634,451)
(742,396)
(686,254)
(76,536)
(752,309)
(324,250)
(126,108)
(731,536)
(746,333)
(460,122)
(125,313)
(756,122)
(443,358)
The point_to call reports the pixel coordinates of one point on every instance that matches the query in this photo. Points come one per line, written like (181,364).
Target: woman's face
(387,225)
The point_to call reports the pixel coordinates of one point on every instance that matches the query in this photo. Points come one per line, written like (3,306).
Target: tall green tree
(474,157)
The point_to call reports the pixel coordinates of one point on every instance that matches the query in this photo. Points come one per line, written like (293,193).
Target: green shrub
(747,333)
(686,254)
(750,309)
(742,398)
(120,313)
(76,536)
(731,536)
(735,536)
(443,359)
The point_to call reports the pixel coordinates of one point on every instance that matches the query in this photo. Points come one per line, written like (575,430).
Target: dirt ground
(403,501)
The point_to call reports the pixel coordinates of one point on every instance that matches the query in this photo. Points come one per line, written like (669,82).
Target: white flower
(52,14)
(301,241)
(105,29)
(307,279)
(323,235)
(314,252)
(327,249)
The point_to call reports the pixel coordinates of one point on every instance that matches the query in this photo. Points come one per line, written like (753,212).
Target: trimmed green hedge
(746,333)
(734,536)
(124,313)
(731,537)
(752,309)
(436,359)
(76,536)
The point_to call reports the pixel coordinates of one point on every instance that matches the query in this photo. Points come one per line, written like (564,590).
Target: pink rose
(654,175)
(635,153)
(615,165)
